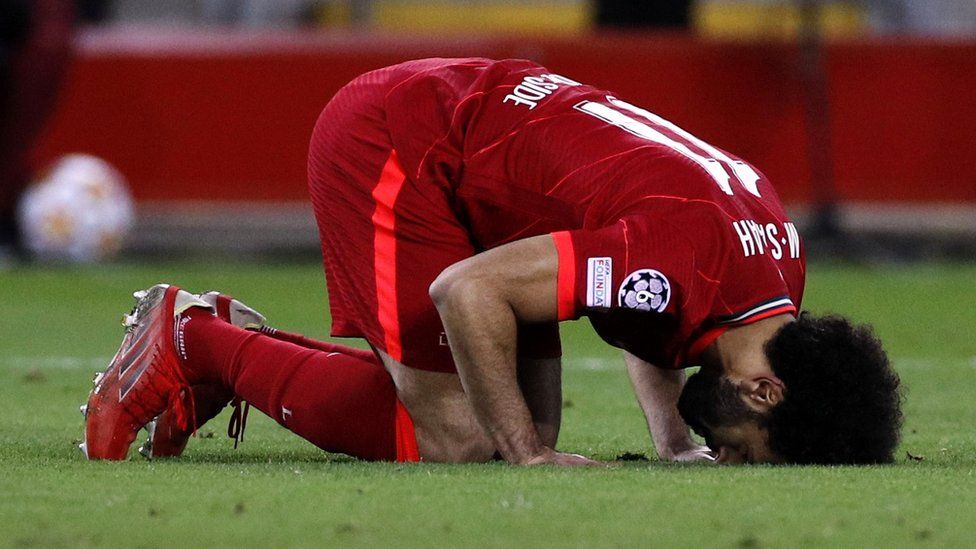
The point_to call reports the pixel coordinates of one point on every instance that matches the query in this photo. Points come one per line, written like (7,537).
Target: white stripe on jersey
(759,309)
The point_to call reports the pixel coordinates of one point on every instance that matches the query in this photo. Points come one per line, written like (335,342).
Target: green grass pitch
(59,325)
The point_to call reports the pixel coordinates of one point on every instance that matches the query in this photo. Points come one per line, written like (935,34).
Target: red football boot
(144,378)
(166,437)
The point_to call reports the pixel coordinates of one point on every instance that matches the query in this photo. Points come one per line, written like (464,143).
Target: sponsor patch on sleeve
(599,277)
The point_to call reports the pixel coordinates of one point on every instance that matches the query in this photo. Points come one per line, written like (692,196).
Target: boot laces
(238,420)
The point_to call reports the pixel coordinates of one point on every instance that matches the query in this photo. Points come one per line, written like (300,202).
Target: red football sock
(310,343)
(335,400)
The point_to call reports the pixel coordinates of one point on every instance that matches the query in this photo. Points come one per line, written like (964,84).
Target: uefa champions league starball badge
(645,290)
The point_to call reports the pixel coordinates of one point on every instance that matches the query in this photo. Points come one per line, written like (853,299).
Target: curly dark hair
(842,403)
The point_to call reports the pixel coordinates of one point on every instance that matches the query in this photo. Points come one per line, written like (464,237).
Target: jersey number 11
(715,161)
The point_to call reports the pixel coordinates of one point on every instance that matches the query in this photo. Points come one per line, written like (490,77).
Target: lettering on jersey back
(757,239)
(533,89)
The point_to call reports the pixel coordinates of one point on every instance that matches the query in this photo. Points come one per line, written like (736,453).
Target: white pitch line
(594,363)
(928,363)
(901,363)
(54,362)
(76,363)
(570,363)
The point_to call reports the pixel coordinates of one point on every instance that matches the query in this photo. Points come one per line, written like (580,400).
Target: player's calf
(446,428)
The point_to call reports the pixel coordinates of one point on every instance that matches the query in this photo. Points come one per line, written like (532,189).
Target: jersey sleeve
(634,264)
(663,291)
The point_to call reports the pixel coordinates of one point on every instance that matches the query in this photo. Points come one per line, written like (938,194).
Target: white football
(80,211)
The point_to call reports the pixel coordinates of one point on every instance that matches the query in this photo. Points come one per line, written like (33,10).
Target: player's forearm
(541,382)
(482,332)
(657,392)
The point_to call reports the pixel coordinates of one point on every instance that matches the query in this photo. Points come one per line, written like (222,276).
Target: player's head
(840,400)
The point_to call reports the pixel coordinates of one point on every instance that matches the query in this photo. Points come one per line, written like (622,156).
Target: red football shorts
(386,237)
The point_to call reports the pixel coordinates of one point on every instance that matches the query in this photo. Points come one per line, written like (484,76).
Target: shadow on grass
(310,456)
(225,457)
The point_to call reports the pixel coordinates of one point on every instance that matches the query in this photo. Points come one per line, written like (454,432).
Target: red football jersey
(664,240)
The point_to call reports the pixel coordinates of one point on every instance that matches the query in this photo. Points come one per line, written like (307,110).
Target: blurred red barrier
(228,116)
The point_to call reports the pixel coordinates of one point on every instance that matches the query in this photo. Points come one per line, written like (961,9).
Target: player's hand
(552,457)
(691,454)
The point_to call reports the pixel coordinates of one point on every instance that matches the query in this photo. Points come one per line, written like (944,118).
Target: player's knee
(441,288)
(455,281)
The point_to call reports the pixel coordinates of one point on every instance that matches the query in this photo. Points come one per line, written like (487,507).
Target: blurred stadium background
(861,112)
